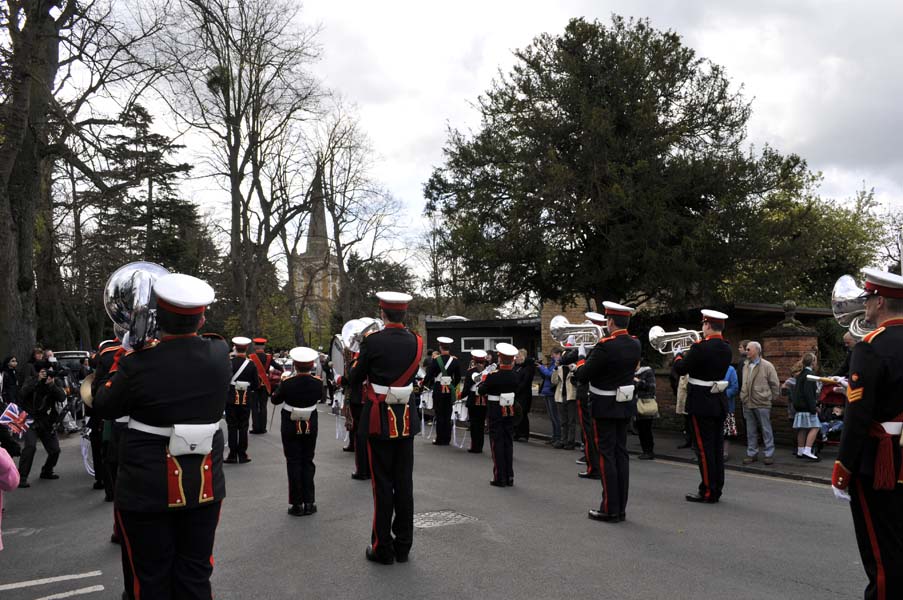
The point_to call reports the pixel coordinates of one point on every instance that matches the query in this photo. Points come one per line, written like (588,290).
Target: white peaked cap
(303,354)
(445,340)
(613,308)
(241,341)
(478,354)
(595,317)
(713,315)
(506,349)
(183,291)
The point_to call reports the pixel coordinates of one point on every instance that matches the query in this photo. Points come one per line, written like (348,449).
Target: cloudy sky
(824,75)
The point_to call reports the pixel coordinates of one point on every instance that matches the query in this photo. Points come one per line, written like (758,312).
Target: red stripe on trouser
(495,468)
(590,467)
(873,540)
(601,469)
(136,586)
(373,485)
(702,461)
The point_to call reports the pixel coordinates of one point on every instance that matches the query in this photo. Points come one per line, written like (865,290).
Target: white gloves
(840,494)
(582,351)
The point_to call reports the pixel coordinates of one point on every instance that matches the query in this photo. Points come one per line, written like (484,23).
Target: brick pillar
(784,345)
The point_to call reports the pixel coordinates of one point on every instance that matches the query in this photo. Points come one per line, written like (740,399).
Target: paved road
(768,538)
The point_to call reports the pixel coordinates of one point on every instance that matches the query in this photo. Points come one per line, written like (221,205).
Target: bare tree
(240,78)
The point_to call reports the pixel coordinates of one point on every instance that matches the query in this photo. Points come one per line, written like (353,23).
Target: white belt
(599,392)
(892,427)
(124,419)
(163,431)
(492,398)
(695,381)
(380,389)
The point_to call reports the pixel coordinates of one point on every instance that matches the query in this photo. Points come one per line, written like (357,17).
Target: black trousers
(522,428)
(501,443)
(614,464)
(477,416)
(298,449)
(237,416)
(590,450)
(878,521)
(358,440)
(96,439)
(442,404)
(258,403)
(644,430)
(51,444)
(392,467)
(171,553)
(688,431)
(708,435)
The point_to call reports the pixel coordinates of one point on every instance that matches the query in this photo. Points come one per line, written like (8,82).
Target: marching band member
(300,394)
(869,466)
(443,376)
(357,437)
(386,367)
(476,403)
(244,382)
(499,388)
(608,371)
(263,362)
(706,363)
(170,483)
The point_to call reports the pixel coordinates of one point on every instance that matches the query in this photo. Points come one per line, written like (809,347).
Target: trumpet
(585,334)
(848,306)
(672,342)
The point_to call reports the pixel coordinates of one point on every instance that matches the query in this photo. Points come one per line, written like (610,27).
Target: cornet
(585,334)
(672,342)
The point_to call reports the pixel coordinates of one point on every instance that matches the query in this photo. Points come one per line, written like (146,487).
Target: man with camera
(40,396)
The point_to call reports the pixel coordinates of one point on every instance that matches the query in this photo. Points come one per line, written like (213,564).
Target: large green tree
(610,163)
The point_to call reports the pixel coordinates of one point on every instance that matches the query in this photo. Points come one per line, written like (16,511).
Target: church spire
(317,238)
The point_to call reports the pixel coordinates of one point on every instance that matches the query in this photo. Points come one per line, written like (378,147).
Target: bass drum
(337,356)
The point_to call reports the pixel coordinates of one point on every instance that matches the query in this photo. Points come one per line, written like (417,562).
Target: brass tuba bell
(848,306)
(127,298)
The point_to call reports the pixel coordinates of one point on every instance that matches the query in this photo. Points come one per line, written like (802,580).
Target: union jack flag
(15,420)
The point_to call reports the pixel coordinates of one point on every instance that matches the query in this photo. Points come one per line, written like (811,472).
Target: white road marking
(78,592)
(46,580)
(23,531)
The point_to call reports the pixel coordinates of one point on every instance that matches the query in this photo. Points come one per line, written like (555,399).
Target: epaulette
(213,336)
(110,349)
(869,337)
(149,345)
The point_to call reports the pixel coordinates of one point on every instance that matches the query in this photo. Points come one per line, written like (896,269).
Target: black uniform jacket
(180,380)
(103,360)
(569,361)
(301,390)
(385,356)
(611,364)
(469,388)
(453,370)
(875,395)
(706,360)
(503,381)
(248,375)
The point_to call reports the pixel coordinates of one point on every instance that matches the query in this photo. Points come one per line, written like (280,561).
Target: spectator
(644,380)
(806,421)
(848,341)
(40,396)
(547,391)
(30,369)
(566,401)
(9,394)
(760,388)
(9,479)
(526,371)
(730,421)
(741,348)
(787,390)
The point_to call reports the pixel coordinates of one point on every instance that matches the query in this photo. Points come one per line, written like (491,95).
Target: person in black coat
(526,371)
(706,363)
(9,394)
(476,403)
(244,383)
(170,484)
(386,368)
(609,372)
(300,394)
(39,398)
(500,388)
(443,376)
